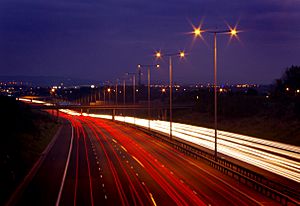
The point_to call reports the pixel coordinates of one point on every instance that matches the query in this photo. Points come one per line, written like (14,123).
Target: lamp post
(181,54)
(148,66)
(197,33)
(108,90)
(124,91)
(117,81)
(104,95)
(133,85)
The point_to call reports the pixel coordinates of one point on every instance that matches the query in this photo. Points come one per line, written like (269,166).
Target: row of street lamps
(149,67)
(198,31)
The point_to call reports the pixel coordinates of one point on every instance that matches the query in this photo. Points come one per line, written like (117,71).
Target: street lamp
(148,66)
(233,33)
(124,91)
(104,95)
(117,82)
(133,85)
(181,54)
(108,90)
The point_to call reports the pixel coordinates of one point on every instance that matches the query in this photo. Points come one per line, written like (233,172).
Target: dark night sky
(104,39)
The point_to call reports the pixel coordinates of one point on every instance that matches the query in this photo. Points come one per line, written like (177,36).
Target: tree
(289,83)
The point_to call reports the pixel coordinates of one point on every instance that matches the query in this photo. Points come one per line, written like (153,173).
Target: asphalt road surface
(99,162)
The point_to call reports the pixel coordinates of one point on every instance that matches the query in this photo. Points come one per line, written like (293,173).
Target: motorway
(99,162)
(267,156)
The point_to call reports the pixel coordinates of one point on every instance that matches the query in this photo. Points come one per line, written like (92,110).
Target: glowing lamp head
(157,66)
(158,54)
(108,90)
(233,32)
(197,32)
(139,66)
(182,54)
(163,90)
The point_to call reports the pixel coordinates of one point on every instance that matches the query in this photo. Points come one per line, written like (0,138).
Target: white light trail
(279,158)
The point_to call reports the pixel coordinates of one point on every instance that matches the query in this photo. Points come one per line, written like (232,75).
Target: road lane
(55,160)
(210,192)
(161,167)
(115,165)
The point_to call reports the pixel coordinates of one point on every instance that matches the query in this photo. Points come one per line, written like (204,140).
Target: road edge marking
(32,172)
(66,169)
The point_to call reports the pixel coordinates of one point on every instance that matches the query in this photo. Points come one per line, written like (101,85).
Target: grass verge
(24,136)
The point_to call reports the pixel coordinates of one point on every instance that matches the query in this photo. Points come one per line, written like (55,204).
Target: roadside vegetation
(24,134)
(274,115)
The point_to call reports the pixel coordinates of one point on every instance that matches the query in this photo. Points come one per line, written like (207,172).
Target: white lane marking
(154,203)
(124,148)
(66,169)
(137,160)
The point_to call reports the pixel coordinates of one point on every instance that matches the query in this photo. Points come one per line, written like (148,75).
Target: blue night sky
(103,39)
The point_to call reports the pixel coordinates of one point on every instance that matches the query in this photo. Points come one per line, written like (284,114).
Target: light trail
(133,159)
(279,158)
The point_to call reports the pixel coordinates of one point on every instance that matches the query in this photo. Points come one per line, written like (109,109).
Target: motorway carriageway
(281,159)
(99,162)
